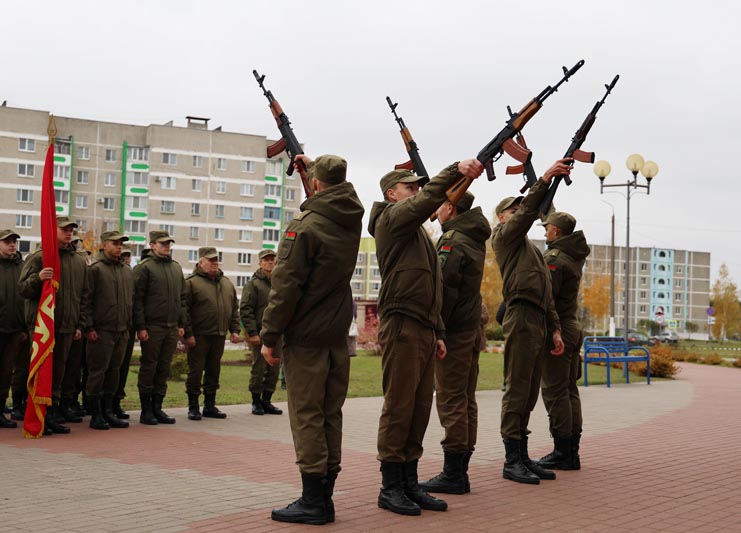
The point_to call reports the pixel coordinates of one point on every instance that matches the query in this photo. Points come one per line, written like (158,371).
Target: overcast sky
(452,66)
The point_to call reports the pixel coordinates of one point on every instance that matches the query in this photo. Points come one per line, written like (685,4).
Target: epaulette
(449,234)
(302,214)
(553,252)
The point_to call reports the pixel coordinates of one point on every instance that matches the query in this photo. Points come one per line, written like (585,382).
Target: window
(288,216)
(242,281)
(270,235)
(245,235)
(247,189)
(290,194)
(678,297)
(61,196)
(26,145)
(138,178)
(24,196)
(83,177)
(169,228)
(81,225)
(273,168)
(195,209)
(110,154)
(662,268)
(376,272)
(138,153)
(219,234)
(167,207)
(677,311)
(679,270)
(169,159)
(108,204)
(248,166)
(110,180)
(272,213)
(23,221)
(135,226)
(643,294)
(662,254)
(272,190)
(81,201)
(220,187)
(61,172)
(642,309)
(375,287)
(61,147)
(244,258)
(195,185)
(678,283)
(197,161)
(358,271)
(643,266)
(245,213)
(643,281)
(109,226)
(137,202)
(361,258)
(221,163)
(25,170)
(357,286)
(195,232)
(219,211)
(192,256)
(83,152)
(168,182)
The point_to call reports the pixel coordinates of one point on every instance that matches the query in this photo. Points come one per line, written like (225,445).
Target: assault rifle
(575,152)
(288,141)
(504,140)
(415,162)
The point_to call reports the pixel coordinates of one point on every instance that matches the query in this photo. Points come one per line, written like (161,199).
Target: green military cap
(329,169)
(561,220)
(465,203)
(209,252)
(160,236)
(113,236)
(7,234)
(63,222)
(401,176)
(507,203)
(75,238)
(266,253)
(125,251)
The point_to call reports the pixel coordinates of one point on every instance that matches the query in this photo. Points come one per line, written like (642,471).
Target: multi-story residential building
(366,281)
(204,186)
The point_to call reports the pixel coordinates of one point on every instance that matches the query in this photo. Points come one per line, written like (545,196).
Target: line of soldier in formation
(297,309)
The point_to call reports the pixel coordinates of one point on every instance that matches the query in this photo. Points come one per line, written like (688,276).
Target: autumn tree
(725,302)
(596,298)
(491,284)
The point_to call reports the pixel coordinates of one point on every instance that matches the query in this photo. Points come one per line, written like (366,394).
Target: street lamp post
(612,270)
(648,169)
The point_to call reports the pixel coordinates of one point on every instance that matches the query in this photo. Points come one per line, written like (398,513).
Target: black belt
(527,303)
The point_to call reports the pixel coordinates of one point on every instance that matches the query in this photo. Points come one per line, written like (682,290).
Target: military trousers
(560,393)
(62,346)
(104,358)
(263,377)
(10,344)
(407,360)
(156,357)
(204,364)
(73,369)
(456,377)
(123,373)
(525,334)
(21,366)
(318,378)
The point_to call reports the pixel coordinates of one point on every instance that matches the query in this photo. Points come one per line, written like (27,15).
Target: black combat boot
(531,465)
(110,416)
(392,495)
(257,405)
(209,407)
(6,422)
(466,461)
(328,493)
(76,408)
(561,458)
(575,459)
(268,407)
(513,467)
(118,411)
(18,412)
(51,422)
(451,480)
(67,412)
(97,421)
(147,416)
(159,414)
(194,410)
(410,485)
(309,508)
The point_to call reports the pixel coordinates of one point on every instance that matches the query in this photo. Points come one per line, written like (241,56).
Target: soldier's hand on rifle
(92,336)
(190,342)
(267,354)
(142,335)
(441,351)
(562,167)
(46,273)
(471,168)
(557,343)
(304,159)
(236,338)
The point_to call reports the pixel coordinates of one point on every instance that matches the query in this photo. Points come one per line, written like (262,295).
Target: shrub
(692,358)
(179,366)
(712,359)
(662,366)
(494,333)
(737,362)
(368,337)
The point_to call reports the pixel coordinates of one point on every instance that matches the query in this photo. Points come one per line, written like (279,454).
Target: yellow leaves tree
(491,284)
(725,302)
(596,298)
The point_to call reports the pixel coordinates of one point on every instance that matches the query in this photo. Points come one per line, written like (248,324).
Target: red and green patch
(290,235)
(445,249)
(552,267)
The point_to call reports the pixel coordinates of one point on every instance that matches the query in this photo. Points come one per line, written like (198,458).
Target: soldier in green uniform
(212,311)
(108,319)
(310,305)
(462,252)
(529,318)
(159,318)
(411,331)
(263,377)
(123,373)
(13,333)
(565,257)
(71,298)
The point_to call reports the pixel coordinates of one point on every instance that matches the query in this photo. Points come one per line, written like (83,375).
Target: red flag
(40,373)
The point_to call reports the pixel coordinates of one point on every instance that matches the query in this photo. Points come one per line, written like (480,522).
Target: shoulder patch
(445,249)
(552,267)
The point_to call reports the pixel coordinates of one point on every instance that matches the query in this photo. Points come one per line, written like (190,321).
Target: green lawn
(365,380)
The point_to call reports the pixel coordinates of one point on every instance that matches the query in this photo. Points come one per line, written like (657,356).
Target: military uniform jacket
(565,258)
(159,295)
(72,294)
(524,274)
(211,304)
(111,295)
(311,300)
(254,300)
(410,271)
(11,302)
(462,252)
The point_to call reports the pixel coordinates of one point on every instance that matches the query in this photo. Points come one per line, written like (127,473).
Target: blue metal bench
(610,350)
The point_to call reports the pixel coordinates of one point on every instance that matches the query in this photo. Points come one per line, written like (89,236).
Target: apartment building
(205,186)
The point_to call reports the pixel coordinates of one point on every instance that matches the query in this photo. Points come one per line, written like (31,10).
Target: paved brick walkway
(665,457)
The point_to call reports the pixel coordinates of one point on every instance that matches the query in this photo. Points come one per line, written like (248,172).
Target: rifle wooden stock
(455,193)
(526,114)
(409,165)
(406,135)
